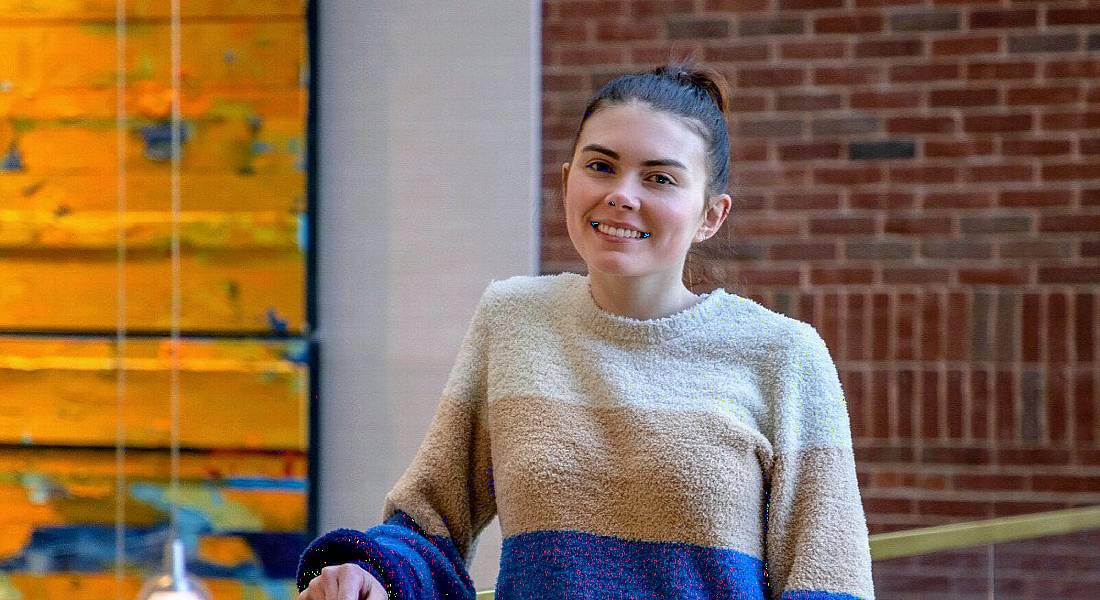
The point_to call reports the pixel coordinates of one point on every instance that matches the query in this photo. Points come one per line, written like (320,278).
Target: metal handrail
(929,540)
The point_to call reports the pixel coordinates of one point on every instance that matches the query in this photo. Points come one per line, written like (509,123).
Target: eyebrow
(660,162)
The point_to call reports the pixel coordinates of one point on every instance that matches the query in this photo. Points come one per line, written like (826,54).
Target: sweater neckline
(651,331)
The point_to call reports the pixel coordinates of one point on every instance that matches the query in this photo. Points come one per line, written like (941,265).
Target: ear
(564,178)
(718,208)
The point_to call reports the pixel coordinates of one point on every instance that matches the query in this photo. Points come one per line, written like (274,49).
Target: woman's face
(642,171)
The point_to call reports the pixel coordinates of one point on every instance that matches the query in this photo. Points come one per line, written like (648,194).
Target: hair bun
(706,79)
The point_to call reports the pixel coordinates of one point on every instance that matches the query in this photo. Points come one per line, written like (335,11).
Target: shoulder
(530,290)
(779,336)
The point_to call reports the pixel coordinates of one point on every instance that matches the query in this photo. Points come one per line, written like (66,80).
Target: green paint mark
(7,589)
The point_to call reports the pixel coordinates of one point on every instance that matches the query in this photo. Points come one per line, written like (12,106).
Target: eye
(600,166)
(662,179)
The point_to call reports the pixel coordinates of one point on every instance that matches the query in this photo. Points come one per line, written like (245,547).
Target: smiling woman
(637,439)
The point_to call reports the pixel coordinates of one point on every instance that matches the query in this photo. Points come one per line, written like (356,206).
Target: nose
(622,196)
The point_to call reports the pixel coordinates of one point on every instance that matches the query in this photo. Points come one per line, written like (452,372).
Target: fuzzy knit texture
(706,454)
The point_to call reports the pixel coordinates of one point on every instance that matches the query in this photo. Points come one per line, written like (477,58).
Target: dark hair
(696,94)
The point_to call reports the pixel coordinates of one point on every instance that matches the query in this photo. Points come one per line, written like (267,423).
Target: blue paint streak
(262,483)
(158,140)
(13,160)
(278,326)
(303,232)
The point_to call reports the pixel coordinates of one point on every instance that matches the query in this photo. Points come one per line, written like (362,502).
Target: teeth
(617,232)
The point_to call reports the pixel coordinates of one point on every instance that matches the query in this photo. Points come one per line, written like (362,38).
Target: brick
(1036,249)
(1071,171)
(963,97)
(845,126)
(809,4)
(662,52)
(771,26)
(885,99)
(736,53)
(625,31)
(925,21)
(589,9)
(866,23)
(1093,41)
(923,174)
(996,277)
(884,48)
(951,508)
(843,226)
(1073,69)
(589,56)
(964,200)
(1071,120)
(1070,223)
(1003,18)
(1044,95)
(1065,483)
(765,226)
(1003,70)
(1048,147)
(1090,197)
(858,75)
(957,147)
(741,151)
(788,152)
(842,276)
(1053,42)
(742,103)
(700,29)
(769,127)
(807,102)
(995,224)
(554,33)
(1010,172)
(981,481)
(879,251)
(916,225)
(802,251)
(881,200)
(847,175)
(966,46)
(737,5)
(812,50)
(1035,198)
(921,125)
(564,83)
(660,8)
(956,249)
(1089,146)
(997,123)
(1073,16)
(924,72)
(915,276)
(770,77)
(890,149)
(769,277)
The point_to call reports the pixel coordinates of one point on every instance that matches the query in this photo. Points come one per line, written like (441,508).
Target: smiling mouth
(617,232)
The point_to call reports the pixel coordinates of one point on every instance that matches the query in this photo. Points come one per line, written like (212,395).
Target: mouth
(618,231)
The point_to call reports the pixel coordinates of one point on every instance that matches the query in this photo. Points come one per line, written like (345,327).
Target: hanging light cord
(174,386)
(120,329)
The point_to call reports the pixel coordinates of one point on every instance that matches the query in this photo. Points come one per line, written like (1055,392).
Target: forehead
(639,133)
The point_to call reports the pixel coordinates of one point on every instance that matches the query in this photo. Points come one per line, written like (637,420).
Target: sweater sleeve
(434,513)
(816,537)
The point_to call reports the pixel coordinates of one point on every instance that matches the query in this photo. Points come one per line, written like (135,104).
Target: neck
(639,297)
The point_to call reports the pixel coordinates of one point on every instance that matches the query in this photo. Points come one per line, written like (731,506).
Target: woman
(637,440)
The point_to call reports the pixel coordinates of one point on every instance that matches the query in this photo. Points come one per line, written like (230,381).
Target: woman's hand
(344,582)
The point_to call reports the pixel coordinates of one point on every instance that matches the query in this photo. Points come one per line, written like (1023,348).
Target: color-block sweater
(706,454)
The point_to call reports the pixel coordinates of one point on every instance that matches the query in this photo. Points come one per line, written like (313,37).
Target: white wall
(428,174)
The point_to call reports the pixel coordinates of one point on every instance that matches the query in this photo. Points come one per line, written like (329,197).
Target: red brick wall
(919,180)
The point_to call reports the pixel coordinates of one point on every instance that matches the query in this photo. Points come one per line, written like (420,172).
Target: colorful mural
(245,364)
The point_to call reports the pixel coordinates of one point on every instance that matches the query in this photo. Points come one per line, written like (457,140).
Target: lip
(620,225)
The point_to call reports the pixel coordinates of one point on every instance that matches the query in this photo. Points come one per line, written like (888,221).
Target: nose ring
(611,202)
